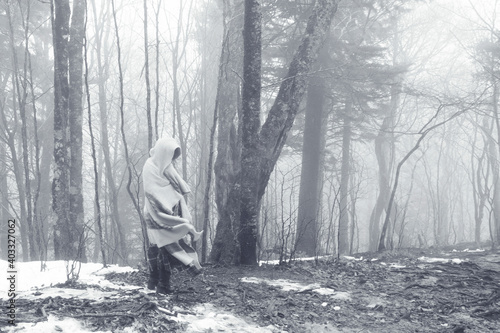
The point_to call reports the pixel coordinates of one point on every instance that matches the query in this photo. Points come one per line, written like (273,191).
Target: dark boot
(153,263)
(164,287)
(165,272)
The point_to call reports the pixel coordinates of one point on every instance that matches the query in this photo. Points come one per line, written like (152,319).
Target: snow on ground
(32,283)
(287,285)
(29,276)
(208,316)
(441,260)
(470,251)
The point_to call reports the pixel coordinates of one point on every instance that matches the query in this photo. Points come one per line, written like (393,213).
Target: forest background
(394,145)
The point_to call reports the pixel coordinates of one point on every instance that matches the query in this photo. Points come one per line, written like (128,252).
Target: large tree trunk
(67,179)
(75,53)
(309,193)
(225,248)
(250,153)
(63,246)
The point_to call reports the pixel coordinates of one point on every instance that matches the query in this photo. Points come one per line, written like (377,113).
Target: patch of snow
(89,293)
(353,258)
(342,296)
(440,260)
(208,318)
(287,285)
(470,251)
(325,291)
(53,324)
(30,277)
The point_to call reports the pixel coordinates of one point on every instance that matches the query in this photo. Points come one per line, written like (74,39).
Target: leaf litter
(405,291)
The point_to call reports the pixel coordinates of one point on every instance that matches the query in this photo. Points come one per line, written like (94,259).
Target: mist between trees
(307,128)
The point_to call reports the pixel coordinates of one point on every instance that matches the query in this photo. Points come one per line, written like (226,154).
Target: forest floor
(403,291)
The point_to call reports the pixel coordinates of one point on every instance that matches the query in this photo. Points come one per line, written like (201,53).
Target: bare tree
(423,132)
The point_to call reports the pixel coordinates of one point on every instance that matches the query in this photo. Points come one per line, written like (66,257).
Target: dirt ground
(389,292)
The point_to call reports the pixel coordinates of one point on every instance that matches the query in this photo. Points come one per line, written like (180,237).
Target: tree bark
(225,247)
(75,54)
(63,244)
(252,61)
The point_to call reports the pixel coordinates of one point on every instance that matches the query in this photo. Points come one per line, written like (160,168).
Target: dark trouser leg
(165,272)
(154,273)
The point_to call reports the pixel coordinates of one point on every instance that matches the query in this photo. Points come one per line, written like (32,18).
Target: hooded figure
(167,216)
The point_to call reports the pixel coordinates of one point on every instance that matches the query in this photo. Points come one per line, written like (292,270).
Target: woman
(167,217)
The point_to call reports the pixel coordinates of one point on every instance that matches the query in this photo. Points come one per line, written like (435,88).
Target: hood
(164,152)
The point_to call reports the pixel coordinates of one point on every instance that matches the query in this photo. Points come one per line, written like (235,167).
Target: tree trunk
(250,153)
(75,54)
(63,235)
(94,159)
(225,246)
(343,236)
(309,193)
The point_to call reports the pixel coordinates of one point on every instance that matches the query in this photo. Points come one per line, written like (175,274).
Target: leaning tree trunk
(273,134)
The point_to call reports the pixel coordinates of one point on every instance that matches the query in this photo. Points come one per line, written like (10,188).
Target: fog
(407,141)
